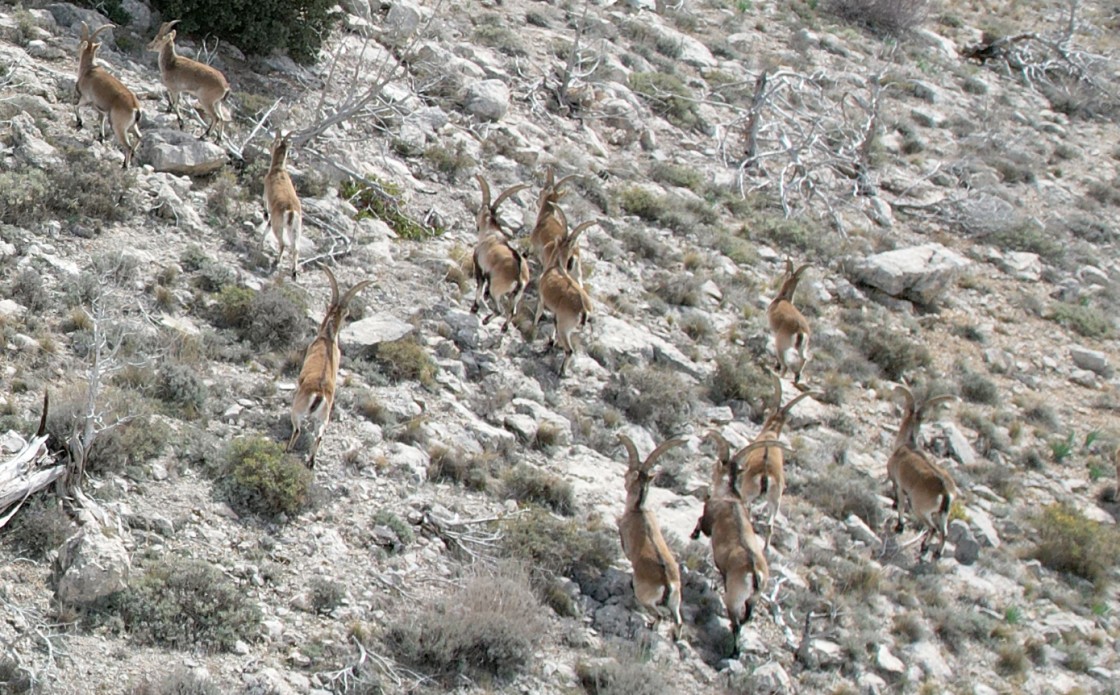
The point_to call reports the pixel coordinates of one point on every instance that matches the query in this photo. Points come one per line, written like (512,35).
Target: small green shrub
(181,386)
(277,317)
(1012,659)
(260,27)
(383,200)
(488,628)
(678,175)
(552,546)
(397,525)
(891,17)
(407,359)
(130,435)
(668,96)
(187,604)
(77,188)
(29,290)
(233,307)
(525,483)
(739,378)
(326,595)
(895,354)
(976,388)
(472,472)
(39,528)
(1082,319)
(493,31)
(652,395)
(265,479)
(1068,541)
(15,678)
(844,491)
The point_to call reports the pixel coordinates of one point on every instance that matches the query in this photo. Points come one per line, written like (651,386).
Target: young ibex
(282,209)
(561,294)
(180,74)
(790,329)
(499,269)
(738,554)
(657,578)
(316,386)
(115,102)
(918,483)
(551,224)
(762,471)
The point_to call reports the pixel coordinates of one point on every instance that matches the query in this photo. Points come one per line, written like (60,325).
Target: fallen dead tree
(33,468)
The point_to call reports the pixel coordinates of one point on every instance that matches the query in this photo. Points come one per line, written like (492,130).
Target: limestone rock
(488,100)
(373,330)
(177,152)
(1093,360)
(921,273)
(770,679)
(401,23)
(90,566)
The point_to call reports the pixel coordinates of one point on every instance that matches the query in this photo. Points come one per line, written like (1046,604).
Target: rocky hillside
(951,177)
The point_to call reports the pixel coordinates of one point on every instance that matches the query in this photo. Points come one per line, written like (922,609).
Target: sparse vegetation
(488,628)
(1067,541)
(652,395)
(1083,319)
(383,200)
(407,359)
(186,604)
(181,681)
(39,529)
(893,17)
(668,96)
(265,479)
(525,483)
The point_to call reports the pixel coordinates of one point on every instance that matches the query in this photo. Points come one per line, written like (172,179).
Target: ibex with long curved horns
(561,293)
(316,386)
(657,577)
(917,481)
(551,225)
(499,269)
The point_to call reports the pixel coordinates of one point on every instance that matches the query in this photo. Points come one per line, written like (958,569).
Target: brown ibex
(180,74)
(917,481)
(282,209)
(316,386)
(97,88)
(551,225)
(789,327)
(657,577)
(499,269)
(561,294)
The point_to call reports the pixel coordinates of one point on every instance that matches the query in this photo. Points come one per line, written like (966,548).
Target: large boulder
(91,565)
(920,273)
(181,153)
(373,330)
(487,99)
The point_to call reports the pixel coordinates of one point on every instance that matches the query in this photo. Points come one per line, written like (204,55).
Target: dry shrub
(487,628)
(893,17)
(1068,541)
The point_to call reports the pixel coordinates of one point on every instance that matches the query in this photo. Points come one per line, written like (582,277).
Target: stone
(927,656)
(401,23)
(179,152)
(860,531)
(769,679)
(373,330)
(623,343)
(1092,360)
(921,273)
(1021,265)
(966,550)
(487,99)
(986,533)
(70,17)
(139,16)
(959,447)
(889,663)
(90,566)
(559,427)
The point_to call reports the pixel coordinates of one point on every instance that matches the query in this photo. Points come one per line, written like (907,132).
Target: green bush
(668,96)
(652,395)
(77,188)
(187,604)
(1068,541)
(739,378)
(14,677)
(525,483)
(397,525)
(181,386)
(628,674)
(265,479)
(1083,319)
(384,200)
(407,359)
(553,546)
(892,17)
(976,388)
(131,436)
(488,628)
(326,595)
(275,317)
(39,527)
(894,353)
(257,26)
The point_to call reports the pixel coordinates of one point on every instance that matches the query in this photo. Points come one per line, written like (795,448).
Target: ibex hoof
(474,308)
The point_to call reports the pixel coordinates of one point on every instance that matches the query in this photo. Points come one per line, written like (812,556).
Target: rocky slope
(961,222)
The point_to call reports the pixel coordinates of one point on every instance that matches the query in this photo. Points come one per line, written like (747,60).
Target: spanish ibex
(561,294)
(316,386)
(499,269)
(282,209)
(737,551)
(790,329)
(918,482)
(180,74)
(551,225)
(762,472)
(657,578)
(97,88)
